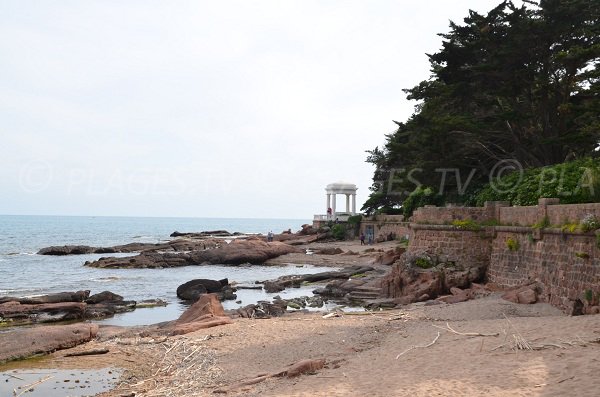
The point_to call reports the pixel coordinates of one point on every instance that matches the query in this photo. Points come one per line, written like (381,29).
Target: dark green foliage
(520,83)
(355,219)
(419,198)
(589,295)
(338,231)
(424,263)
(572,182)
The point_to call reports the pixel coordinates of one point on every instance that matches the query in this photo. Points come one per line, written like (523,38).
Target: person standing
(362,239)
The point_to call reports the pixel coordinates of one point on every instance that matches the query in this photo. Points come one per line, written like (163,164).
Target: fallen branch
(450,329)
(419,346)
(32,385)
(88,352)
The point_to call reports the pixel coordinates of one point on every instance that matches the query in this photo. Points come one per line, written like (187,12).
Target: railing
(340,216)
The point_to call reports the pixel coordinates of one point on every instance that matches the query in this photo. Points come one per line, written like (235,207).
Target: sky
(204,108)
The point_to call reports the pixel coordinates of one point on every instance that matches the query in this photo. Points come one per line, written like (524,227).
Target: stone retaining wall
(565,264)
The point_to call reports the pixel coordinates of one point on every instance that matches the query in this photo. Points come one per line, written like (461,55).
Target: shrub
(355,219)
(424,263)
(512,244)
(582,255)
(466,224)
(418,198)
(573,182)
(570,227)
(544,223)
(589,223)
(339,232)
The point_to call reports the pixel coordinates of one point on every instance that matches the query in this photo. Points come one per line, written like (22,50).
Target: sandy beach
(486,346)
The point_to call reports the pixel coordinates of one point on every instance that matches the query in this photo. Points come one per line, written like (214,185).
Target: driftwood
(87,352)
(293,370)
(450,329)
(30,387)
(419,346)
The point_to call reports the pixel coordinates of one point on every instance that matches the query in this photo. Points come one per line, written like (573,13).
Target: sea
(25,273)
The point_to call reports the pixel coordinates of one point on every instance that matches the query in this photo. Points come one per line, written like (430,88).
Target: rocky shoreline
(375,277)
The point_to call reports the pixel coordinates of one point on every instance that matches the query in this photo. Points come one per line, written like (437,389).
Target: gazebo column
(354,204)
(347,202)
(333,205)
(328,202)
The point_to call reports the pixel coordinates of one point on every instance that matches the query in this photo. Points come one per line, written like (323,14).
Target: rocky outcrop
(193,289)
(16,313)
(388,257)
(415,278)
(79,296)
(297,280)
(177,245)
(205,313)
(23,343)
(65,306)
(253,251)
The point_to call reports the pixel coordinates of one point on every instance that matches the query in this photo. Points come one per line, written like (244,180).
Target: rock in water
(194,288)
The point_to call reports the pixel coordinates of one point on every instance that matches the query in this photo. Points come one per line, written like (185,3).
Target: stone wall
(382,225)
(566,265)
(460,246)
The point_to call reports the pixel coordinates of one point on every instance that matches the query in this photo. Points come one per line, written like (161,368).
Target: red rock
(527,296)
(457,291)
(22,343)
(205,313)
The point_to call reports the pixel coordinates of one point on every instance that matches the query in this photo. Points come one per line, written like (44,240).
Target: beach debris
(298,368)
(182,367)
(29,387)
(450,329)
(88,352)
(419,346)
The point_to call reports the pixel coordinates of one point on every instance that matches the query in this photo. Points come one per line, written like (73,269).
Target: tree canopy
(519,84)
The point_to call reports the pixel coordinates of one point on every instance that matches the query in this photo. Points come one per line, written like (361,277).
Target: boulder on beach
(206,312)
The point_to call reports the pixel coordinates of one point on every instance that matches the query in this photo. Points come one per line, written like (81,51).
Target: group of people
(270,236)
(362,239)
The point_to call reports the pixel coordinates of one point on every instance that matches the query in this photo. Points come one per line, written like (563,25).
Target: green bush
(338,231)
(512,244)
(466,224)
(424,263)
(355,219)
(418,198)
(544,223)
(572,182)
(589,223)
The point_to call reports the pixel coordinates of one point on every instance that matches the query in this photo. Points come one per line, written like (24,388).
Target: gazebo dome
(341,187)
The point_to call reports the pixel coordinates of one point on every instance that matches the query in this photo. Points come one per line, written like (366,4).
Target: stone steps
(364,293)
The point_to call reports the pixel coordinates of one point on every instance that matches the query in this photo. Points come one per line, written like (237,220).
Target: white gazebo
(333,189)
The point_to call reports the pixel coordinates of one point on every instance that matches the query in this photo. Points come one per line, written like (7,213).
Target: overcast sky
(203,108)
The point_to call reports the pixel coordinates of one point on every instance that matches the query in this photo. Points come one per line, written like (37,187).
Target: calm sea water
(23,273)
